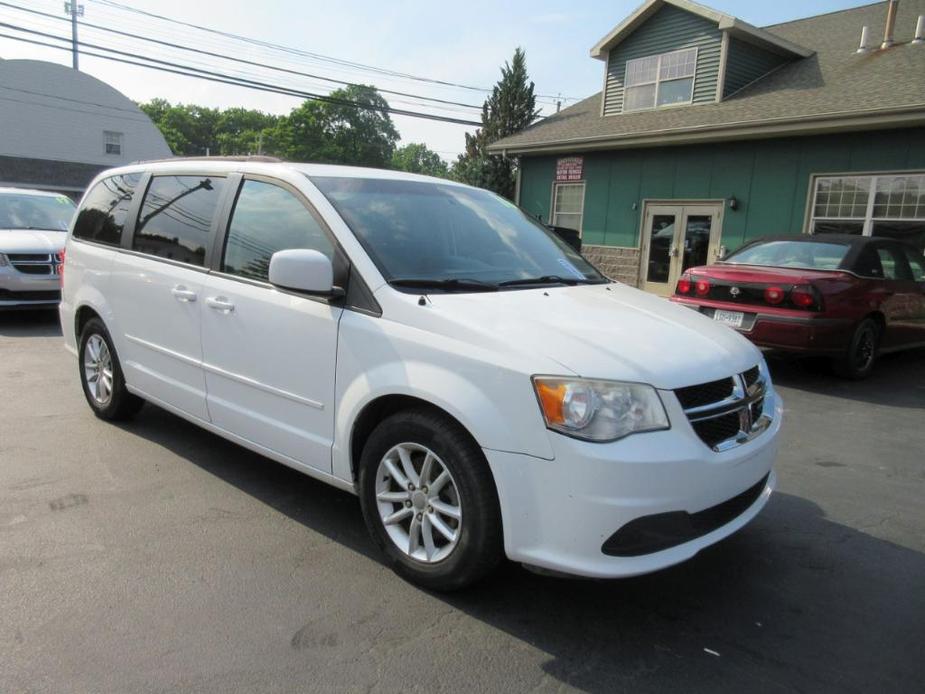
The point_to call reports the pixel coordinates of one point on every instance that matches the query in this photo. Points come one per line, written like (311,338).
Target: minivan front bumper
(21,290)
(667,491)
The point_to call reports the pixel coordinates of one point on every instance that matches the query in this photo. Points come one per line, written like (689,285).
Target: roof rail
(243,157)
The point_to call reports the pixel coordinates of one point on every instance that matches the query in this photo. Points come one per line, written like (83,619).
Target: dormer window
(660,80)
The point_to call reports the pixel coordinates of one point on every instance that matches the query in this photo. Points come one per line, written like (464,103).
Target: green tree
(334,131)
(188,129)
(510,108)
(417,158)
(338,132)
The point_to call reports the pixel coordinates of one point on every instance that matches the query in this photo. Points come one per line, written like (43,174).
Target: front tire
(858,362)
(101,375)
(429,500)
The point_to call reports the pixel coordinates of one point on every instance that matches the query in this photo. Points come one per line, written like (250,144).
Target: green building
(710,132)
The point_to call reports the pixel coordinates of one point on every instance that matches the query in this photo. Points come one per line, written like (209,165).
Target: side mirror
(302,270)
(570,236)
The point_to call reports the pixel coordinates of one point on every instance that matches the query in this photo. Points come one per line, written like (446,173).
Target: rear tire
(861,355)
(101,375)
(444,531)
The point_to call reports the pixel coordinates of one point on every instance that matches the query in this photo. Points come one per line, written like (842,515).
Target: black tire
(121,404)
(480,546)
(861,355)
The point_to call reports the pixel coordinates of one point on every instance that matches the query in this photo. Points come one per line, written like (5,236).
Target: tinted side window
(868,263)
(103,214)
(916,264)
(267,219)
(176,217)
(893,263)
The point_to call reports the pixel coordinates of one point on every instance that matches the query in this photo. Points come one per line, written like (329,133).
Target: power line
(297,51)
(212,76)
(234,59)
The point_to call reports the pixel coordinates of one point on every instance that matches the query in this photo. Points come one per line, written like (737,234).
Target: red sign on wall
(570,168)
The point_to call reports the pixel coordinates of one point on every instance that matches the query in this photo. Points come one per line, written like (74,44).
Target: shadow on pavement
(794,601)
(19,323)
(898,379)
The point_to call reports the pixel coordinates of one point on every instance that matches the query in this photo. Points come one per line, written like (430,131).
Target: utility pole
(75,10)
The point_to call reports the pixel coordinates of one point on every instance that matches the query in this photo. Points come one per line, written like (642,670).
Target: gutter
(838,121)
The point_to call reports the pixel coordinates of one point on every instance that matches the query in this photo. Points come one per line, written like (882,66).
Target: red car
(848,297)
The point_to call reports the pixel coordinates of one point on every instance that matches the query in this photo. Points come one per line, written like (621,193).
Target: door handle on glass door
(220,303)
(181,293)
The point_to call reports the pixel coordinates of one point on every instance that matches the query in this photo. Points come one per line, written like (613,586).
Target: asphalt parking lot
(155,556)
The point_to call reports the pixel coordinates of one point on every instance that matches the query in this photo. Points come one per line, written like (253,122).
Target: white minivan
(429,347)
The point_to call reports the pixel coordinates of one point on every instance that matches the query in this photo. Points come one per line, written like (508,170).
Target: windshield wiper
(454,284)
(545,279)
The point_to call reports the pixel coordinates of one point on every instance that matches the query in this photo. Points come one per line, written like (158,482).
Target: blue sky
(459,42)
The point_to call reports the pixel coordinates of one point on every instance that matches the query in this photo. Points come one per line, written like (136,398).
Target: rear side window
(102,216)
(176,217)
(893,263)
(916,264)
(267,219)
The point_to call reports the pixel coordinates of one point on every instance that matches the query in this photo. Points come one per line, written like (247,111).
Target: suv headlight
(598,410)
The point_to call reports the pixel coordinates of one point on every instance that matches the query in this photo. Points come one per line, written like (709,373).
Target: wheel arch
(382,407)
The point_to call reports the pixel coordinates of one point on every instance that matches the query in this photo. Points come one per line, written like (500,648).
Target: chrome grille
(728,412)
(34,263)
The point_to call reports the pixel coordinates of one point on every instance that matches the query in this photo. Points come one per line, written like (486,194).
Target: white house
(59,127)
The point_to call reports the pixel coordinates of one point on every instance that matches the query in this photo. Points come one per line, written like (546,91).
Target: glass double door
(675,238)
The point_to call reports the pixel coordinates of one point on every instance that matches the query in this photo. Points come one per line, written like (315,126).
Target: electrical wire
(176,68)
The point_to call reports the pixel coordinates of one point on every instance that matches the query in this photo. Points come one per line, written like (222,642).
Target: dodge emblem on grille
(734,291)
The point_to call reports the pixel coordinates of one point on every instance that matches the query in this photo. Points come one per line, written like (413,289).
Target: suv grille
(727,412)
(34,263)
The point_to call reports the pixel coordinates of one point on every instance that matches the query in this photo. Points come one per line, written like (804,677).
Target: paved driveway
(155,556)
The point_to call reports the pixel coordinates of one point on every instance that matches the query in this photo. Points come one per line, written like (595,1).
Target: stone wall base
(620,264)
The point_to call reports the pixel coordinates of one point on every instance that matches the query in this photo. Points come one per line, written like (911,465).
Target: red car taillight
(773,295)
(684,284)
(806,296)
(702,287)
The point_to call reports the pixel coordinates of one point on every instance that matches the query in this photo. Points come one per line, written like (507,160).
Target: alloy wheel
(418,502)
(98,369)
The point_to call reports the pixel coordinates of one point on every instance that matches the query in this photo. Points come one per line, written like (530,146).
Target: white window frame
(868,219)
(554,214)
(658,80)
(113,137)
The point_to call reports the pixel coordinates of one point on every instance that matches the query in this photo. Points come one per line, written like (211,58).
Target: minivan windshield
(450,237)
(809,255)
(25,211)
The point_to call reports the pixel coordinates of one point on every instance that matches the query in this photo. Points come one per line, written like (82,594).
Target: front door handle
(220,303)
(183,294)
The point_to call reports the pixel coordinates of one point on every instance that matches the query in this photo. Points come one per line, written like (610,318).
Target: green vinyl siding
(669,29)
(745,63)
(769,178)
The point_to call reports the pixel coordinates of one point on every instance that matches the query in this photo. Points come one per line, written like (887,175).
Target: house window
(112,142)
(568,205)
(890,205)
(660,80)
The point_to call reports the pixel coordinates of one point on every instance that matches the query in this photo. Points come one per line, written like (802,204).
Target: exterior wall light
(732,202)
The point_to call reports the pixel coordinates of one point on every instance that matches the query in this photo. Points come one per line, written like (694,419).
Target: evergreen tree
(510,108)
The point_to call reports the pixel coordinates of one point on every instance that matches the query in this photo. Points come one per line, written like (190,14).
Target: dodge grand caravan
(429,347)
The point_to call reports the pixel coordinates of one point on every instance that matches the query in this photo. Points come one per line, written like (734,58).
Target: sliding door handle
(183,294)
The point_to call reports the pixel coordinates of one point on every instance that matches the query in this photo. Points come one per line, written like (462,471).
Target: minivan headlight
(599,410)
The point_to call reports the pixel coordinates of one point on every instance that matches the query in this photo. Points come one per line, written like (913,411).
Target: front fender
(495,403)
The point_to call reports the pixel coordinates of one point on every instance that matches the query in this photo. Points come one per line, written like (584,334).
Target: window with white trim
(660,80)
(112,142)
(568,203)
(890,205)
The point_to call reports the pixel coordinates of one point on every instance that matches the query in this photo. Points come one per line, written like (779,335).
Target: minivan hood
(597,331)
(31,241)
